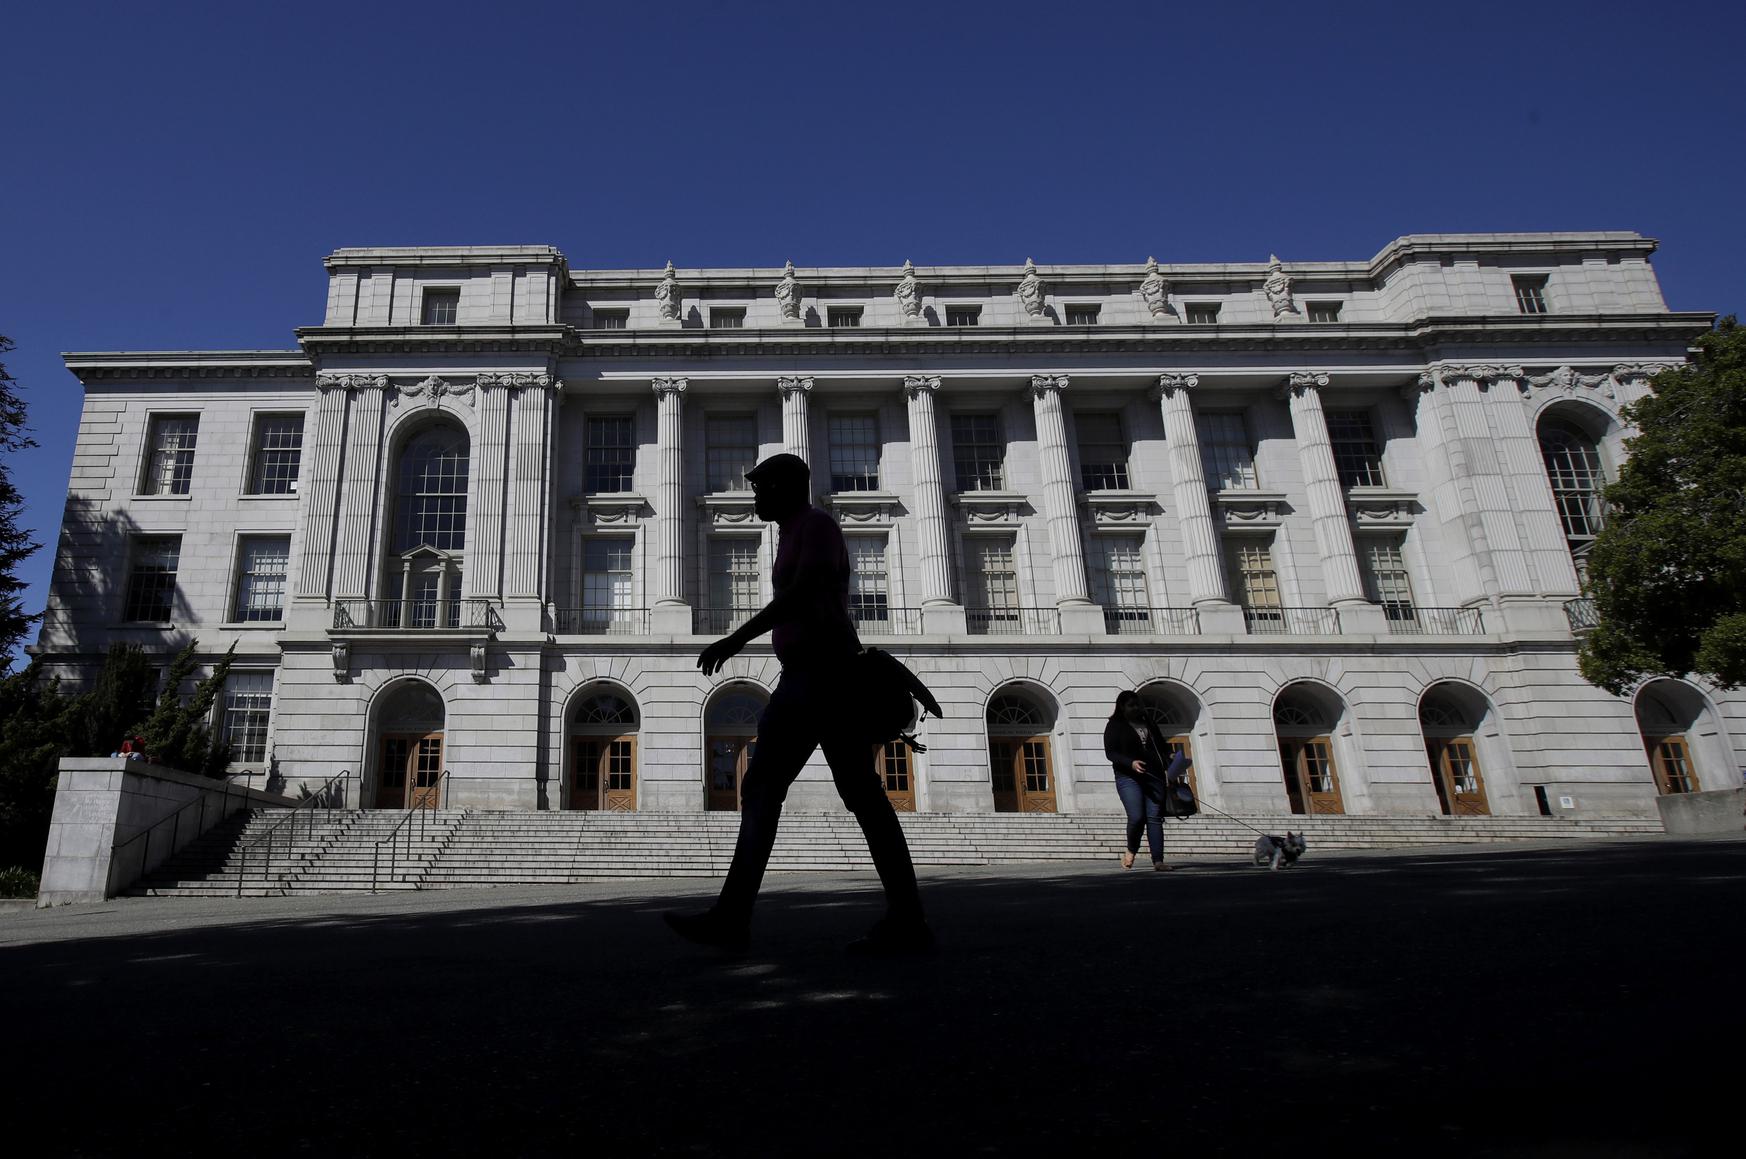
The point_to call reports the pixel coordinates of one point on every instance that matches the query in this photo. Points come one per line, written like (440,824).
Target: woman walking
(1136,750)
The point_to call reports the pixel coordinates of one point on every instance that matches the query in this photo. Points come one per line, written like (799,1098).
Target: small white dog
(1277,852)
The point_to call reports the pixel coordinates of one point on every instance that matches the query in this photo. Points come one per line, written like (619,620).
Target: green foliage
(15,542)
(1668,571)
(176,733)
(18,882)
(34,719)
(116,706)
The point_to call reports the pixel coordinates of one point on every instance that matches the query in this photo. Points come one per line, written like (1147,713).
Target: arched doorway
(1019,757)
(409,747)
(603,753)
(1304,722)
(896,765)
(1668,714)
(1173,712)
(1449,723)
(730,725)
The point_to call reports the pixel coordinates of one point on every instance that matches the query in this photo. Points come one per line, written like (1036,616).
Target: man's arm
(812,581)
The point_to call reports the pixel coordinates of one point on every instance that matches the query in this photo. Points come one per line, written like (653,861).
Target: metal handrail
(886,621)
(416,615)
(1131,619)
(600,620)
(404,825)
(1295,620)
(174,819)
(322,797)
(988,620)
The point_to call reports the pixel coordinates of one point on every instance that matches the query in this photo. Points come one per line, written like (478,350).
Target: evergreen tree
(15,542)
(1668,571)
(34,722)
(116,706)
(176,733)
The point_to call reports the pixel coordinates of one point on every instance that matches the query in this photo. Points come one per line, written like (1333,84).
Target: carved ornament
(790,385)
(915,384)
(1153,290)
(350,382)
(1169,384)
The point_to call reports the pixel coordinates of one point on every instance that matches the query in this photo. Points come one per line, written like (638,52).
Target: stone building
(470,535)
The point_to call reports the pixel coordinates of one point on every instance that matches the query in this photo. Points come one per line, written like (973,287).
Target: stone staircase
(335,852)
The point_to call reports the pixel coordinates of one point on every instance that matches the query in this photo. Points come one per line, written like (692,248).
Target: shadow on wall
(96,553)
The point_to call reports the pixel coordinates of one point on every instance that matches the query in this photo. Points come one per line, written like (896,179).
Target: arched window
(1014,711)
(1297,715)
(605,708)
(431,505)
(1573,467)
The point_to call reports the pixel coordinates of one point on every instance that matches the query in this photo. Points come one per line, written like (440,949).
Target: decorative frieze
(433,390)
(350,382)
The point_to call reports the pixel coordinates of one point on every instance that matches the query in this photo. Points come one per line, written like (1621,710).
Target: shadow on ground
(1532,1003)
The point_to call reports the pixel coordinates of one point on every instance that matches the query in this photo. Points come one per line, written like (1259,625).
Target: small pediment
(1246,507)
(1120,508)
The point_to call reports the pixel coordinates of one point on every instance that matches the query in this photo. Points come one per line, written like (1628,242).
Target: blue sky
(172,174)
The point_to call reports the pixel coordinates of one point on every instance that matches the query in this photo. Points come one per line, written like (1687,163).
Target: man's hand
(1140,767)
(713,657)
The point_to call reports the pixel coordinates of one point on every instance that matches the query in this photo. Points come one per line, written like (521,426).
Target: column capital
(1169,384)
(1628,371)
(1480,373)
(515,380)
(1045,384)
(1299,381)
(350,382)
(914,384)
(790,384)
(668,386)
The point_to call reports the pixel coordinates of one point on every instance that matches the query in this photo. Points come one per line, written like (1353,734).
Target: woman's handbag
(1179,799)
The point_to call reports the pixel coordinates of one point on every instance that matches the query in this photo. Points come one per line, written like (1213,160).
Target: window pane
(844,315)
(278,454)
(1203,313)
(1356,455)
(1530,294)
(722,318)
(432,504)
(441,307)
(854,441)
(994,578)
(978,453)
(248,702)
(1224,450)
(1082,315)
(1390,585)
(1257,585)
(1103,453)
(606,580)
(1573,467)
(868,599)
(731,448)
(611,454)
(1324,311)
(151,581)
(733,574)
(260,588)
(963,315)
(611,319)
(169,464)
(1121,576)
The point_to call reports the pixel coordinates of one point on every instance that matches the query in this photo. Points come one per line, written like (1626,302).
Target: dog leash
(1200,803)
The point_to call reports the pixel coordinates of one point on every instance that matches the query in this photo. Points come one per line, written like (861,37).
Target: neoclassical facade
(1329,517)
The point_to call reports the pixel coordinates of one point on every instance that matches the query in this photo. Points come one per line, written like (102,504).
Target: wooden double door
(1455,774)
(603,773)
(897,774)
(409,774)
(729,757)
(1312,783)
(1671,761)
(1023,774)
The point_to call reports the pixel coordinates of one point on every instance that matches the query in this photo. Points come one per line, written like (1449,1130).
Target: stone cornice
(451,257)
(156,364)
(318,341)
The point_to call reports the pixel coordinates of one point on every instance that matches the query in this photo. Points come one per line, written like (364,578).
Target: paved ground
(1549,1000)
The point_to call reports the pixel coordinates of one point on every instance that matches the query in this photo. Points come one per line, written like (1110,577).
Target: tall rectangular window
(611,319)
(1357,457)
(727,317)
(441,307)
(1083,315)
(1324,311)
(868,596)
(1103,453)
(994,578)
(1390,585)
(606,582)
(978,454)
(733,576)
(169,463)
(611,456)
(260,579)
(963,315)
(248,704)
(277,454)
(1225,452)
(151,578)
(1254,580)
(1203,313)
(841,316)
(1121,583)
(854,441)
(1530,293)
(730,450)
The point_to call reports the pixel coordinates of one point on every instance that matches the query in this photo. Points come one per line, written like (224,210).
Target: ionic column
(940,612)
(485,524)
(796,435)
(351,579)
(1200,535)
(530,416)
(1059,507)
(1464,576)
(1327,499)
(667,584)
(1552,571)
(1467,427)
(320,488)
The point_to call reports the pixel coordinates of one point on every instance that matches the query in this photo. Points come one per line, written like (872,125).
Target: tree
(176,733)
(16,544)
(34,719)
(1668,571)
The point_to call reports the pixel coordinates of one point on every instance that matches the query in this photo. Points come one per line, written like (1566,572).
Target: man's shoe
(1163,867)
(708,929)
(893,938)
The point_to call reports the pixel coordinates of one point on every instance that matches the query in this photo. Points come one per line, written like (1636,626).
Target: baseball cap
(783,468)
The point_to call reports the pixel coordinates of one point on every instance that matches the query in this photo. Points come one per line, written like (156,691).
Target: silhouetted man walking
(815,640)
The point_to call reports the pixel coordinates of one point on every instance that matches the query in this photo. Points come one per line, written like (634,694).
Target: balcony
(719,621)
(883,621)
(415,615)
(1013,621)
(1128,621)
(1292,621)
(1412,620)
(1582,615)
(600,621)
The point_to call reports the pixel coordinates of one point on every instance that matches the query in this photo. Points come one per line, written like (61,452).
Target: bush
(18,882)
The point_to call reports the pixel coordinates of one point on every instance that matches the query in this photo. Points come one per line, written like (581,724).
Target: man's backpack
(885,694)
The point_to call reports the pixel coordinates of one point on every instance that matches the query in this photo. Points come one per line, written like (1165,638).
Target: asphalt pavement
(1567,999)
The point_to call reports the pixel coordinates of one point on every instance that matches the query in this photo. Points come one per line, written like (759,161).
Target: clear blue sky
(172,174)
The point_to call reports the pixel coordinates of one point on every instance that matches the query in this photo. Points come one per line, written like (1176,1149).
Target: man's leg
(786,738)
(857,779)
